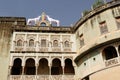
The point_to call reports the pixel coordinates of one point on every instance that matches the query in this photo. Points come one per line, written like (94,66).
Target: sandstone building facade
(41,49)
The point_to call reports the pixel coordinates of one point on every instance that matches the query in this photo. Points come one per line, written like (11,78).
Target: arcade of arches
(43,68)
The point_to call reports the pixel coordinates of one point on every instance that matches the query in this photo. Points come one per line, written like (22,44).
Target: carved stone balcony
(56,49)
(67,49)
(29,77)
(41,77)
(15,77)
(19,48)
(43,49)
(30,49)
(112,62)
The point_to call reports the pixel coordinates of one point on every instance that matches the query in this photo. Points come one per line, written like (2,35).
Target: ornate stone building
(41,49)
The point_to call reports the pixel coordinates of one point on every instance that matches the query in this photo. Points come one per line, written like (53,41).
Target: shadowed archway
(30,67)
(17,68)
(43,68)
(56,68)
(69,69)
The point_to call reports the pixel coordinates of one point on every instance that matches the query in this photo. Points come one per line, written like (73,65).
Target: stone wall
(5,36)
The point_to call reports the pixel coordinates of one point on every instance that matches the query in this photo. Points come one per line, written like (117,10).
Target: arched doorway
(30,67)
(17,68)
(69,69)
(43,68)
(109,52)
(56,68)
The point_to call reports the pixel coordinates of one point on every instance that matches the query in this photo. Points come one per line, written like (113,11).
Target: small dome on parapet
(43,20)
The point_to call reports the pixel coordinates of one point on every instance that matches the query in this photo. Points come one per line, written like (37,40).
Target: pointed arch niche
(69,69)
(30,67)
(56,68)
(43,68)
(17,68)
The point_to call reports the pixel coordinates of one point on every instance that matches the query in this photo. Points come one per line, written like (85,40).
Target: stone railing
(15,77)
(43,49)
(112,62)
(67,49)
(19,48)
(56,49)
(56,77)
(41,77)
(30,49)
(68,77)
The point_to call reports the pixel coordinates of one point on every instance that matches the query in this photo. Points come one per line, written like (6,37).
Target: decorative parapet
(43,20)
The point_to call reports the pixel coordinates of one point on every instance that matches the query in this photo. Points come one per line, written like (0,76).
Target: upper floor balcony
(44,46)
(42,49)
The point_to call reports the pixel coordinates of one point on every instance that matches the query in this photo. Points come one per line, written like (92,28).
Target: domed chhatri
(43,20)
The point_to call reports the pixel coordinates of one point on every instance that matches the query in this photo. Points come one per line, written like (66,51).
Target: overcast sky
(67,11)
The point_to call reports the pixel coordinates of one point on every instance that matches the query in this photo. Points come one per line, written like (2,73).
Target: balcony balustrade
(56,49)
(15,77)
(41,77)
(19,48)
(112,62)
(30,49)
(67,49)
(42,49)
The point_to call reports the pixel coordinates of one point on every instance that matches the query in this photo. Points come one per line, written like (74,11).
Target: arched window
(69,69)
(43,24)
(30,67)
(66,44)
(43,68)
(17,68)
(109,52)
(31,43)
(19,42)
(43,43)
(56,67)
(55,43)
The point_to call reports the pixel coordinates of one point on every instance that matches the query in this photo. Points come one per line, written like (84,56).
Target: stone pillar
(36,70)
(9,70)
(50,73)
(23,67)
(63,69)
(49,70)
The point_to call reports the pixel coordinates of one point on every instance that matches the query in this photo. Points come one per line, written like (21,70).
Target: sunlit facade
(40,49)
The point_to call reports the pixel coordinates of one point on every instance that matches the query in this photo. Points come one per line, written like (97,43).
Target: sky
(68,12)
